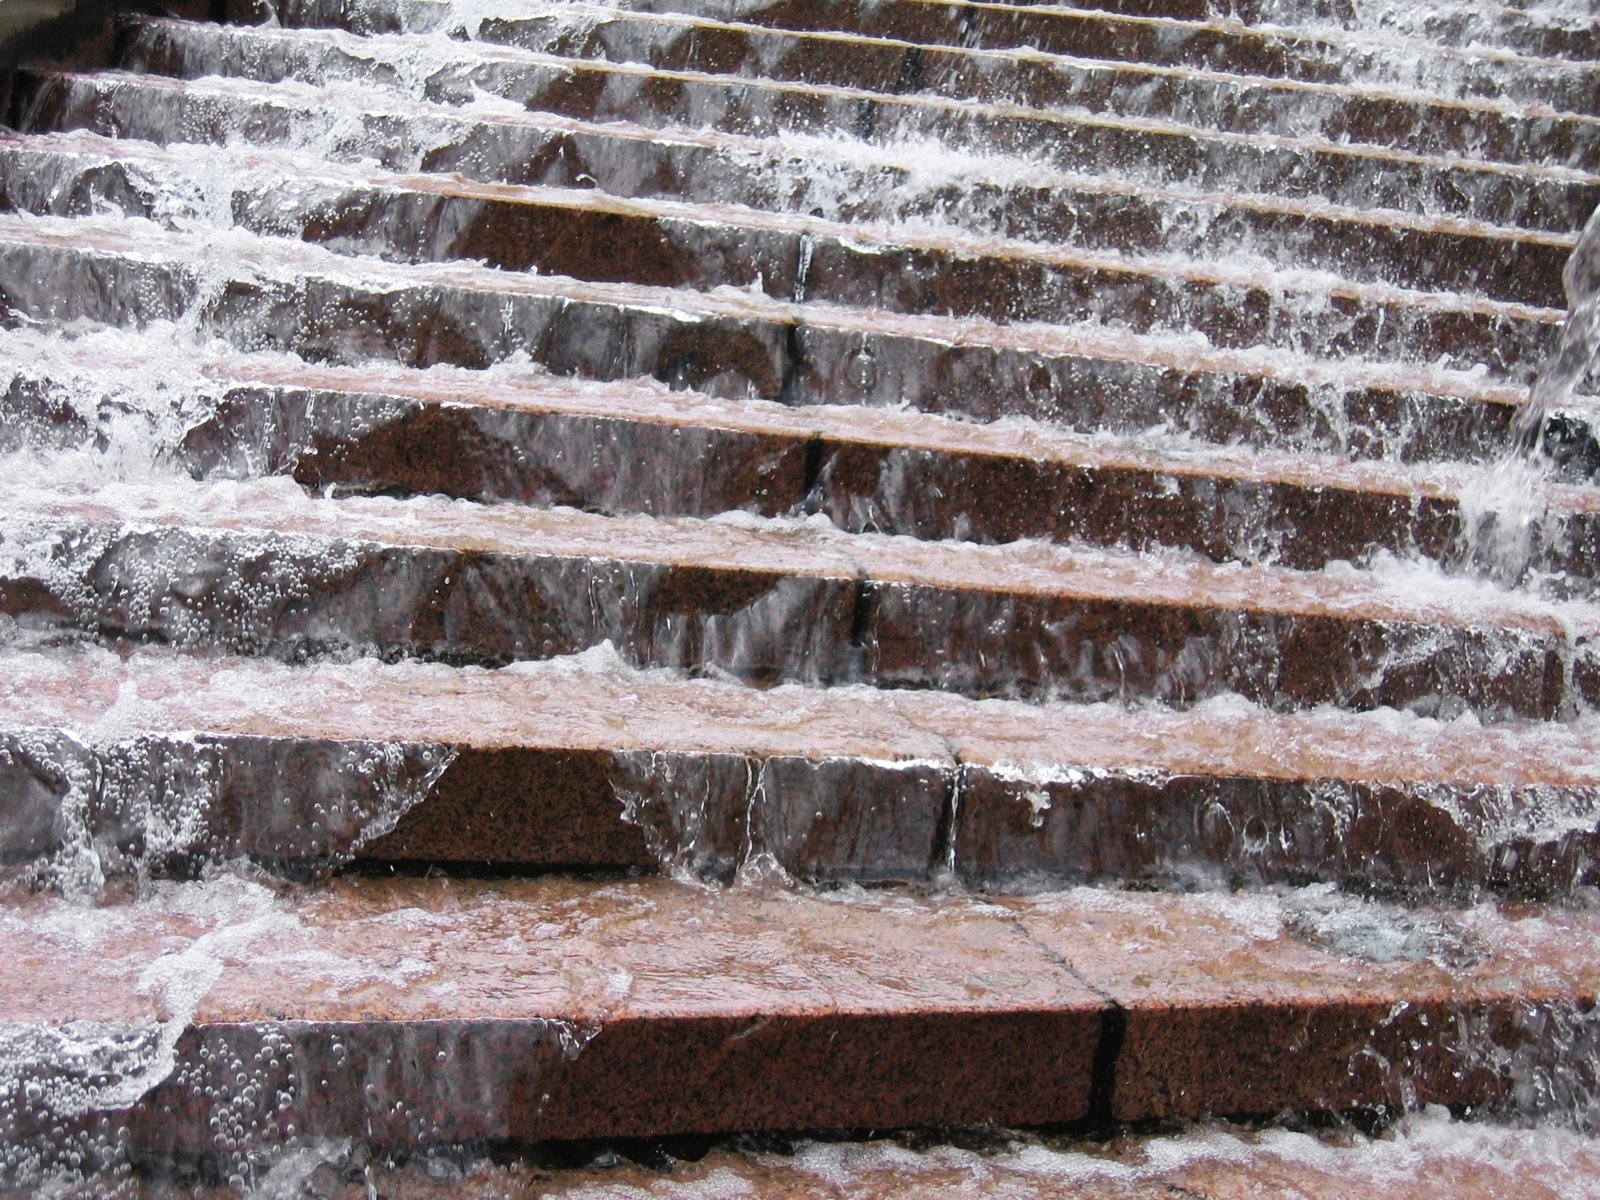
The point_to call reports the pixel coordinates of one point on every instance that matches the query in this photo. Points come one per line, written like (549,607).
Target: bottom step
(221,1019)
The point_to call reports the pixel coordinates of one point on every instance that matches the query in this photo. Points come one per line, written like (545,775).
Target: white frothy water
(1505,513)
(133,412)
(1574,354)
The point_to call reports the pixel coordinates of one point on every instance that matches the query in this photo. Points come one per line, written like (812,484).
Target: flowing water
(212,291)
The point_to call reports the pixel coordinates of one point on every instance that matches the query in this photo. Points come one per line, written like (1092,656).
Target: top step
(1306,55)
(1203,99)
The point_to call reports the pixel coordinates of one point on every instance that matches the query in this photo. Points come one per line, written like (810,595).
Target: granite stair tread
(264,292)
(264,568)
(1425,251)
(686,570)
(1430,1157)
(1204,41)
(1158,149)
(530,438)
(529,767)
(1484,27)
(1215,99)
(532,228)
(543,996)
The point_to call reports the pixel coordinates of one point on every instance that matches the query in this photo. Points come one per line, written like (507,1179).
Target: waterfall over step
(782,597)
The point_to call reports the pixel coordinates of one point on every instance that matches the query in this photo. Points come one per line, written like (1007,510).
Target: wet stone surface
(562,1009)
(583,589)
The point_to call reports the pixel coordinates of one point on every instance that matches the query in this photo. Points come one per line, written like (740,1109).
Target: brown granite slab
(291,576)
(730,42)
(650,1007)
(590,764)
(593,89)
(567,1009)
(677,245)
(1008,26)
(728,343)
(628,447)
(736,174)
(1234,1003)
(565,765)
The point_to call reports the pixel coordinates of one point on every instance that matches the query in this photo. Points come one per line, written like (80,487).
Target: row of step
(312,768)
(577,574)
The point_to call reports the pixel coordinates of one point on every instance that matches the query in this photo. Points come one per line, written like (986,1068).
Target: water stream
(207,287)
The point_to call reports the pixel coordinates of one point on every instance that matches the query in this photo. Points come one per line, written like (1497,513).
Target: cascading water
(1037,459)
(1566,366)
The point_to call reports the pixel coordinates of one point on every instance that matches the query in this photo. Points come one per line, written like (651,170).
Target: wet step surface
(640,448)
(1241,104)
(610,1009)
(1528,30)
(663,243)
(1532,72)
(1428,1156)
(986,195)
(1157,151)
(843,478)
(307,769)
(269,293)
(268,570)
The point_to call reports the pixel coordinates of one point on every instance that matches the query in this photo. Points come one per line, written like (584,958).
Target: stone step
(263,569)
(270,293)
(1195,41)
(1517,27)
(1157,151)
(985,196)
(1207,100)
(675,245)
(636,448)
(1538,30)
(118,767)
(1532,30)
(416,1013)
(1520,28)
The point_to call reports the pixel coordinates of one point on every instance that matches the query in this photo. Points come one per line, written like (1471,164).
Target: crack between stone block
(1109,1044)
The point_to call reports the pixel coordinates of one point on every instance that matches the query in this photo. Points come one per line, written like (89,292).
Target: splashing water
(1565,368)
(1502,512)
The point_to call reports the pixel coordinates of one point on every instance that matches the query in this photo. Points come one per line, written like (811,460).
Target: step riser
(1521,29)
(1499,267)
(656,464)
(634,1079)
(1132,826)
(1094,652)
(894,69)
(729,357)
(1055,1030)
(599,92)
(170,805)
(958,24)
(159,805)
(525,1081)
(1202,104)
(684,253)
(294,598)
(1095,35)
(663,252)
